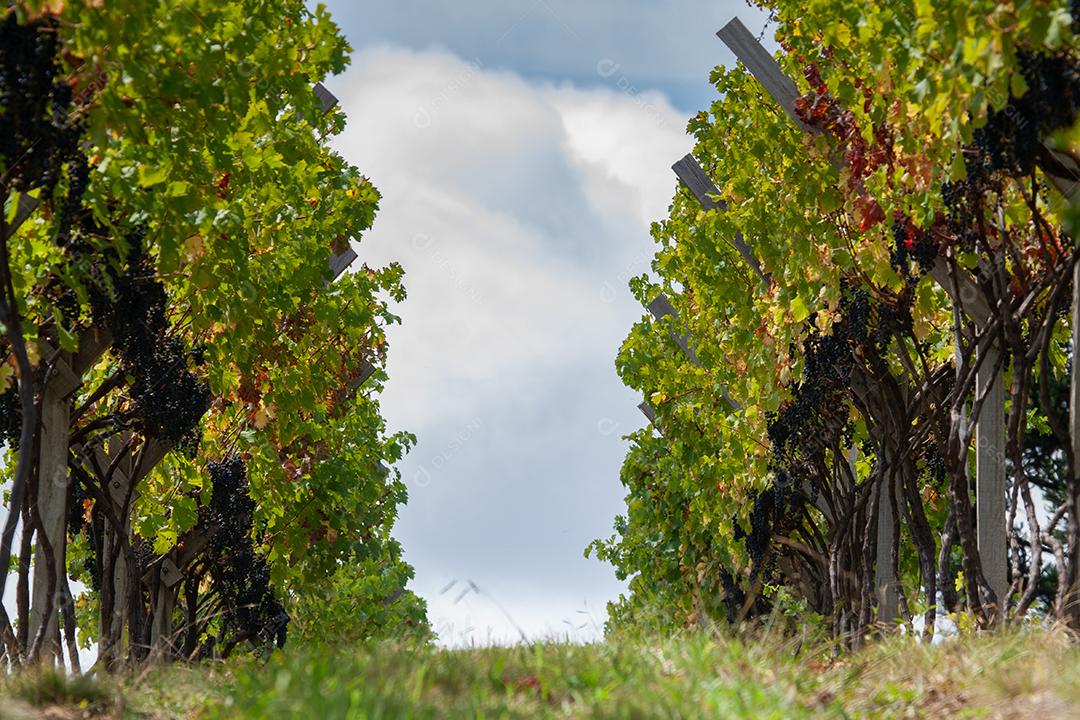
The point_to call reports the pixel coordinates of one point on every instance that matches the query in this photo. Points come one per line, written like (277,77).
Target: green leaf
(1018,85)
(68,341)
(799,309)
(178,188)
(150,175)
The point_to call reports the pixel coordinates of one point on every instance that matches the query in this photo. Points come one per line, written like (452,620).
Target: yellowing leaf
(799,309)
(150,175)
(194,248)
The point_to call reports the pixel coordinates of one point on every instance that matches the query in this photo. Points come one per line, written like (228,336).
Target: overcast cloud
(518,210)
(522,149)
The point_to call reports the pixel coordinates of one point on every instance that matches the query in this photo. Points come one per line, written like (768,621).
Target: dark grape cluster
(817,414)
(238,572)
(963,201)
(770,507)
(71,207)
(818,411)
(935,459)
(1063,311)
(1010,140)
(169,399)
(911,244)
(10,416)
(80,522)
(38,135)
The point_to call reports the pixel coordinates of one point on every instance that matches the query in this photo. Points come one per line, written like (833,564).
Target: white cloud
(518,211)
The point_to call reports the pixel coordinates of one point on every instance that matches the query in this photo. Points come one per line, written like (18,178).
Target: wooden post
(51,505)
(990,510)
(51,499)
(161,627)
(884,578)
(117,491)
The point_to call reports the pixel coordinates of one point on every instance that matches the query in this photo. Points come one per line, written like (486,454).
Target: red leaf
(870,213)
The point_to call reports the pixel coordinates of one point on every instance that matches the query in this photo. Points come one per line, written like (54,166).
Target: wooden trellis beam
(661,308)
(701,185)
(764,67)
(326,98)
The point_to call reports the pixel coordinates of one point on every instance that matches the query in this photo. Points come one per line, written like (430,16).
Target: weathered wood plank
(660,308)
(699,183)
(68,371)
(362,376)
(340,262)
(885,581)
(63,380)
(971,298)
(170,574)
(764,67)
(93,342)
(366,371)
(326,98)
(147,458)
(27,206)
(161,628)
(122,480)
(990,478)
(702,187)
(52,497)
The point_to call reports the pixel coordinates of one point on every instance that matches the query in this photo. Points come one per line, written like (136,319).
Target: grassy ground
(1034,675)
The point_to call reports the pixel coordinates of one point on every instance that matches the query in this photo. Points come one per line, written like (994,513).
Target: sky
(522,150)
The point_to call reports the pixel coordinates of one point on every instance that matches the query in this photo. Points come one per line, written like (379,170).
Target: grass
(1034,674)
